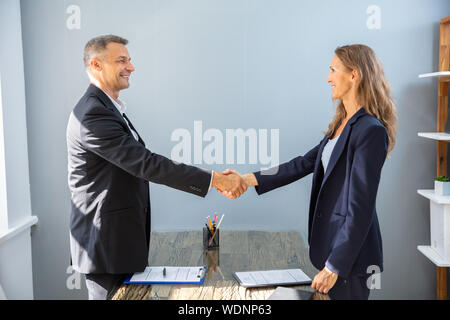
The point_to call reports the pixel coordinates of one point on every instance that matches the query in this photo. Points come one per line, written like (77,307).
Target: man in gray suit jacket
(109,169)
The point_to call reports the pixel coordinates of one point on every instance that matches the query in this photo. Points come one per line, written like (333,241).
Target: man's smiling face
(116,67)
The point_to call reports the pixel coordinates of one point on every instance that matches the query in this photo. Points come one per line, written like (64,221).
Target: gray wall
(234,64)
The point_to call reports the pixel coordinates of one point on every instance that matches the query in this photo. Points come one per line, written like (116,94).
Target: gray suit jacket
(108,179)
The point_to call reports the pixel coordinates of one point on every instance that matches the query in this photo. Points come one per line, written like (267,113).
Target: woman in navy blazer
(343,231)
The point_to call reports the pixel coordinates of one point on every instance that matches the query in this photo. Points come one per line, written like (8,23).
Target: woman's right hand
(248,178)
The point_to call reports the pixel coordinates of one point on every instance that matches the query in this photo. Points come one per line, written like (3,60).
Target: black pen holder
(211,258)
(210,239)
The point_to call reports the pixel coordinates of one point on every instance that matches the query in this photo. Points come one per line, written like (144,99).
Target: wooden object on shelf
(442,112)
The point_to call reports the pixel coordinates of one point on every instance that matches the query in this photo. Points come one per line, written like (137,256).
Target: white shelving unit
(435,74)
(429,194)
(438,252)
(433,256)
(441,136)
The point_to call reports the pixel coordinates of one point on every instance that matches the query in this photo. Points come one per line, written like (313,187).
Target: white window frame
(3,197)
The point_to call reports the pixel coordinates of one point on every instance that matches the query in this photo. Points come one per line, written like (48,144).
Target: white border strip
(3,197)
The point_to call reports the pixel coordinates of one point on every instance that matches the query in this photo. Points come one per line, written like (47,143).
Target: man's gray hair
(98,44)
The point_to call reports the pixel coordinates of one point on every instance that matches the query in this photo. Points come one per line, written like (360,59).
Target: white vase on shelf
(442,188)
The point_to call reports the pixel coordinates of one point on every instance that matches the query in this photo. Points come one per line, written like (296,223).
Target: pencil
(209,224)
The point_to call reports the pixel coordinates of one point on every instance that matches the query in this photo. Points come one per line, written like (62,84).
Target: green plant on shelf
(442,179)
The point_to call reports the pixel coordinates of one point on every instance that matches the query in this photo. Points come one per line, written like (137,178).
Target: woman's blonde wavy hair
(373,91)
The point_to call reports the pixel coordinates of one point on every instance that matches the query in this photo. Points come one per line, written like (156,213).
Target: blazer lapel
(105,99)
(319,153)
(341,143)
(108,103)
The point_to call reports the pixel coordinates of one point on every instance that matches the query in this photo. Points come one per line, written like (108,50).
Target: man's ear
(96,64)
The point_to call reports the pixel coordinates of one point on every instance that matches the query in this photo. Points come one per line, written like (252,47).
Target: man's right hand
(231,184)
(249,179)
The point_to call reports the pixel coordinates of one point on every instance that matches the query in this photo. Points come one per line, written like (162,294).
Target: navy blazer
(343,229)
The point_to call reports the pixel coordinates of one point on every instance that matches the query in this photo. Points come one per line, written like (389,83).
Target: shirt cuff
(210,183)
(331,268)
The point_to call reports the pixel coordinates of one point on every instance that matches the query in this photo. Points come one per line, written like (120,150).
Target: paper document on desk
(272,278)
(192,275)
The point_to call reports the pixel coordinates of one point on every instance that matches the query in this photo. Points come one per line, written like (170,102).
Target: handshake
(232,184)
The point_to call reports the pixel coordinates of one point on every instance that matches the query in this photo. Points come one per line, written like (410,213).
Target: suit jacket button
(319,214)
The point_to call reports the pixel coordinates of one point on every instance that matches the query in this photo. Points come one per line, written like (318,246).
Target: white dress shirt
(121,107)
(327,151)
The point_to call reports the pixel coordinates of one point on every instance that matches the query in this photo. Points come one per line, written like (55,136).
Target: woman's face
(340,78)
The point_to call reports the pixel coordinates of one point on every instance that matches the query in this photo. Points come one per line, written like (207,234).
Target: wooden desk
(239,251)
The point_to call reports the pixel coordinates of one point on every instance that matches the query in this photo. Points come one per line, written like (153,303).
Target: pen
(217,228)
(164,272)
(220,221)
